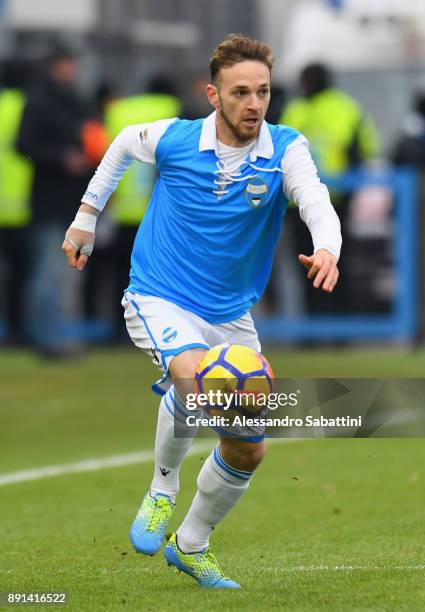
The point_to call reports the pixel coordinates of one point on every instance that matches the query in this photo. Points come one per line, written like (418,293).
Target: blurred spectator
(51,136)
(134,190)
(15,186)
(195,103)
(341,137)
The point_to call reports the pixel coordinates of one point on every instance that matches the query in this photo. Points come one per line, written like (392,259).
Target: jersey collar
(263,146)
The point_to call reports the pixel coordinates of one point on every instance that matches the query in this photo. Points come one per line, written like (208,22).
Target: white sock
(169,450)
(219,488)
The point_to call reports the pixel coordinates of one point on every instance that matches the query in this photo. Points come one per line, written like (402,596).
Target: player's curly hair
(236,48)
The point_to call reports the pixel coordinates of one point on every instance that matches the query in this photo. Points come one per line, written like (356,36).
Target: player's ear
(212,95)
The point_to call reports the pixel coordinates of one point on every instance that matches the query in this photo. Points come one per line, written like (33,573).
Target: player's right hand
(78,246)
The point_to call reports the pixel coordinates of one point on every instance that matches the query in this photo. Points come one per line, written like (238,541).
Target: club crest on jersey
(256,193)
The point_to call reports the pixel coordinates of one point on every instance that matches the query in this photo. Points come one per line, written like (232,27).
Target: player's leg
(223,479)
(148,529)
(166,333)
(227,473)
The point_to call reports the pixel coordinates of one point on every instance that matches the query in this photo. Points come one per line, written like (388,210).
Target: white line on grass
(88,465)
(102,463)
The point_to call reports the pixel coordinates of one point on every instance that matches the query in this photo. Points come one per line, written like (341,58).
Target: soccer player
(201,259)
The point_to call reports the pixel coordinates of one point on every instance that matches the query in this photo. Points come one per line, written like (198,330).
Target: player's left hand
(322,267)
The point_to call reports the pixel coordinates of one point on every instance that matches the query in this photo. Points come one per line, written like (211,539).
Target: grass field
(327,524)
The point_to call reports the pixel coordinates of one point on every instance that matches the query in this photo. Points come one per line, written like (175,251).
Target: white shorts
(164,330)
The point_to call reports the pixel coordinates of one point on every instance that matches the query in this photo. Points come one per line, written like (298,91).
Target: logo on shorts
(168,334)
(256,193)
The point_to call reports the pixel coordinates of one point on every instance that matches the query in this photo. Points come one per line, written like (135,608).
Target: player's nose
(254,103)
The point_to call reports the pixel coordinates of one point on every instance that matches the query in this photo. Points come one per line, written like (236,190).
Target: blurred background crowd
(349,75)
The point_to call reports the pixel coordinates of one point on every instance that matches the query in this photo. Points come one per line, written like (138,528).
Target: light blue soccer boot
(202,566)
(147,532)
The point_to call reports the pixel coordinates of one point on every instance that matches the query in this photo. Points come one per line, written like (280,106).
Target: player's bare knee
(250,455)
(242,455)
(256,453)
(182,370)
(184,365)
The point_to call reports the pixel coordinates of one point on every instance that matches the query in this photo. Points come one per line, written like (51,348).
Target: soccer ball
(235,369)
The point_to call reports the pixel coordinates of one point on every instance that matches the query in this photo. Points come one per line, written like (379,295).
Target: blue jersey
(208,237)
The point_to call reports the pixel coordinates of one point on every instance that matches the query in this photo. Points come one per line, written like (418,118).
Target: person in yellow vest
(134,190)
(15,191)
(341,136)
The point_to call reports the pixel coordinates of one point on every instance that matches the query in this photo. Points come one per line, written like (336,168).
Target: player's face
(240,97)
